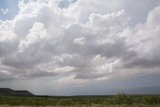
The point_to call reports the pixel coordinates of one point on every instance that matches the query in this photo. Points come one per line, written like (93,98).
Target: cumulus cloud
(86,40)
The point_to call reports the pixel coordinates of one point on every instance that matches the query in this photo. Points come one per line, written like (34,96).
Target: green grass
(88,106)
(120,100)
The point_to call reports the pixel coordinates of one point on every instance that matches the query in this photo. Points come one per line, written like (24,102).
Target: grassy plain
(120,100)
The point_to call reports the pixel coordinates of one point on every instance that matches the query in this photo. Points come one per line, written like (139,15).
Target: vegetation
(101,101)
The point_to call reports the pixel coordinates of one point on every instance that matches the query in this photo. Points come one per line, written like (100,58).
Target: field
(120,100)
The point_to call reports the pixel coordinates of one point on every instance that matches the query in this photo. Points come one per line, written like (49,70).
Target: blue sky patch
(8,9)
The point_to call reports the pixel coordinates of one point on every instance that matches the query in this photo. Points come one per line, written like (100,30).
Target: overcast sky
(75,47)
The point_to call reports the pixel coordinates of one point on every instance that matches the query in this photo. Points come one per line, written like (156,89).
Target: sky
(79,47)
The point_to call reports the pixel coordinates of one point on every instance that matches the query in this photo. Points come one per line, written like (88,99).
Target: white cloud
(36,34)
(4,11)
(89,40)
(80,41)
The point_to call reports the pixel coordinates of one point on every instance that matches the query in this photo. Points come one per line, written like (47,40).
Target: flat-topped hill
(8,91)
